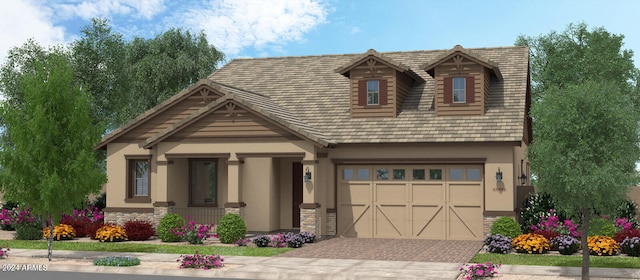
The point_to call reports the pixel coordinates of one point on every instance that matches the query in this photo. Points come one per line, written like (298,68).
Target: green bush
(28,231)
(627,209)
(116,261)
(602,227)
(506,226)
(231,228)
(168,222)
(533,209)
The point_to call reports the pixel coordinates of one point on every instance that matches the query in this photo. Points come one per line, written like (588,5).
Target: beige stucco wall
(259,192)
(117,174)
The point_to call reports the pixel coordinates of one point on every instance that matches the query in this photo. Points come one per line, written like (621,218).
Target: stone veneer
(310,220)
(122,217)
(235,210)
(487,222)
(331,223)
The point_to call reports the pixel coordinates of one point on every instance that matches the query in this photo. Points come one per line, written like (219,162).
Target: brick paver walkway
(389,249)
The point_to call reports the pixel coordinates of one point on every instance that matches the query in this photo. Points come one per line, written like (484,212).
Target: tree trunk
(586,215)
(50,247)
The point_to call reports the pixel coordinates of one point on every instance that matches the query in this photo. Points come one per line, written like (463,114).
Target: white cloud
(146,9)
(232,25)
(21,20)
(355,30)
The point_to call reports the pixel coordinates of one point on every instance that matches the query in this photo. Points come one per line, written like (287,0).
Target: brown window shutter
(448,90)
(384,96)
(362,93)
(471,89)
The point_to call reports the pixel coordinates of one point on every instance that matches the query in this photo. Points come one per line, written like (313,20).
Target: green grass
(557,260)
(145,248)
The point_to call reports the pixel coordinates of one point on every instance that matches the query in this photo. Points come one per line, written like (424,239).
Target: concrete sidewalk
(294,268)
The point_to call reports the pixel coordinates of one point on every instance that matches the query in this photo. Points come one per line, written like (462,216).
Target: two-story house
(419,144)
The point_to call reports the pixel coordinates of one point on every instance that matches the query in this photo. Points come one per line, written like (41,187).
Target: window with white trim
(459,90)
(373,92)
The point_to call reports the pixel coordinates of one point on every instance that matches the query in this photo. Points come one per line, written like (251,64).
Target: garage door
(412,201)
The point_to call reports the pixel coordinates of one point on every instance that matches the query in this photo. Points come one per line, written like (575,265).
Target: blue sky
(261,28)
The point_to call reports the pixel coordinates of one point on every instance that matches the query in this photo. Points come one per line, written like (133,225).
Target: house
(418,144)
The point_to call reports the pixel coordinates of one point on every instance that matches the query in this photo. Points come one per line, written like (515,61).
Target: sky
(267,28)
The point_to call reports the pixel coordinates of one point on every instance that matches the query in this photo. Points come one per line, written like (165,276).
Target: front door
(297,193)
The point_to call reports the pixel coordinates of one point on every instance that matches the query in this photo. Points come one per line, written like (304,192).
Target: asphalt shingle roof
(307,91)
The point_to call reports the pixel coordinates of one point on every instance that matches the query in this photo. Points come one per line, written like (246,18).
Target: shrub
(139,230)
(201,261)
(566,244)
(8,216)
(601,226)
(231,228)
(242,242)
(530,243)
(93,228)
(111,233)
(602,245)
(262,240)
(293,240)
(278,241)
(308,237)
(534,207)
(479,270)
(192,233)
(4,252)
(28,231)
(99,202)
(168,222)
(498,244)
(116,261)
(60,232)
(80,224)
(627,209)
(631,246)
(506,226)
(621,236)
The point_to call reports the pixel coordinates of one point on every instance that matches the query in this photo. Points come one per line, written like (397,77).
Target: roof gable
(457,53)
(166,113)
(370,57)
(272,120)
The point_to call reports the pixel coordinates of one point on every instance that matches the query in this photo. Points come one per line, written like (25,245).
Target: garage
(410,201)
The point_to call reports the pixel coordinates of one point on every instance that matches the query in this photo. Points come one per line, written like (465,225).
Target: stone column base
(310,220)
(235,208)
(332,223)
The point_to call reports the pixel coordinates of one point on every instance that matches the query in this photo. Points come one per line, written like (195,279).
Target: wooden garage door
(413,201)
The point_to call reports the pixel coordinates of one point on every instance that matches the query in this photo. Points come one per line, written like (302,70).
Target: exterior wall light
(499,175)
(523,179)
(307,175)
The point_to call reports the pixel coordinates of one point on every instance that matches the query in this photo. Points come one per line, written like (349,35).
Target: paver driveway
(452,251)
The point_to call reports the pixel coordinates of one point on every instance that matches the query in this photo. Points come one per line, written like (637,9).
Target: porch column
(234,192)
(310,208)
(159,190)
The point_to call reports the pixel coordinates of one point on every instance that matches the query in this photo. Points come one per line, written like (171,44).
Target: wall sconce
(307,175)
(523,179)
(499,175)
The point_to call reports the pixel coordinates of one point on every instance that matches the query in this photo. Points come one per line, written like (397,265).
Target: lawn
(557,260)
(145,248)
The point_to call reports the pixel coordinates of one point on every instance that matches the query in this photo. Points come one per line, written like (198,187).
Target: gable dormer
(378,85)
(463,81)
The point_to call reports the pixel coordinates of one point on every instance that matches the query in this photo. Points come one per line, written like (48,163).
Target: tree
(585,148)
(48,161)
(578,55)
(99,59)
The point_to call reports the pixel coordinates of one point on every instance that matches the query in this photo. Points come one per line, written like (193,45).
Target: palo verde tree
(584,150)
(47,154)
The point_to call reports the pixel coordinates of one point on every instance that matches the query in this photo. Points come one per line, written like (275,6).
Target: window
(435,174)
(398,174)
(347,174)
(373,92)
(363,174)
(203,182)
(455,174)
(382,174)
(473,174)
(138,179)
(418,174)
(459,90)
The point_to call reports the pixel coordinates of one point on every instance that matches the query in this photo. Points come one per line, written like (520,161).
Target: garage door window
(418,174)
(455,174)
(435,174)
(473,174)
(382,174)
(398,174)
(363,174)
(347,174)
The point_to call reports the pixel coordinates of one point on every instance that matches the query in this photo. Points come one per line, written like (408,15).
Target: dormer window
(373,92)
(459,90)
